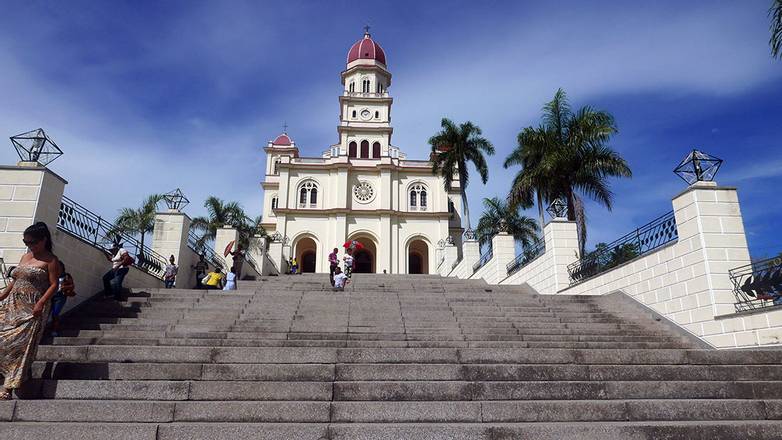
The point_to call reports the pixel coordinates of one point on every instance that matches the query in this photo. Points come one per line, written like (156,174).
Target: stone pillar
(29,193)
(258,252)
(225,235)
(472,253)
(561,239)
(275,254)
(169,238)
(503,252)
(709,224)
(451,253)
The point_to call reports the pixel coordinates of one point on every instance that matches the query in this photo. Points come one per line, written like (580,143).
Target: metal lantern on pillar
(36,146)
(175,200)
(698,166)
(557,208)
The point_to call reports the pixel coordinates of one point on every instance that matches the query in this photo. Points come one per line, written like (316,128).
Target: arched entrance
(306,254)
(418,257)
(365,258)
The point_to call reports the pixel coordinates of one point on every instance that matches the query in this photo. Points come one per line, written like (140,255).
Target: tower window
(418,199)
(276,167)
(308,195)
(352,86)
(352,149)
(354,113)
(377,115)
(365,149)
(365,86)
(376,150)
(275,201)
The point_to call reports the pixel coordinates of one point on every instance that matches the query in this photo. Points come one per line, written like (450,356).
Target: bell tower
(365,105)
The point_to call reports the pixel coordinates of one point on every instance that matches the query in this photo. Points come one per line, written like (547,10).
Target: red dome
(366,49)
(282,139)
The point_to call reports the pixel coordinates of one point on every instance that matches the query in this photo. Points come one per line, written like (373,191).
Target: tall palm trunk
(464,194)
(540,209)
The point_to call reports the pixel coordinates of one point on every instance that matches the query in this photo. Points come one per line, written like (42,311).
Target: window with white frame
(352,86)
(418,200)
(365,86)
(276,167)
(308,195)
(275,202)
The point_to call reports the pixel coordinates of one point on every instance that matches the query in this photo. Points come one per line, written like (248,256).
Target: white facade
(361,188)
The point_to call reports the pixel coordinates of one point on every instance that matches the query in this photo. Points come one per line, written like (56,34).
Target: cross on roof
(366,29)
(285,127)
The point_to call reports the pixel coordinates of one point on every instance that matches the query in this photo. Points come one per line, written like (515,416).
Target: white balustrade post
(225,235)
(169,237)
(29,193)
(561,240)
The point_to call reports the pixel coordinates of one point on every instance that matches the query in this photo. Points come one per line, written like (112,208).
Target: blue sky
(149,96)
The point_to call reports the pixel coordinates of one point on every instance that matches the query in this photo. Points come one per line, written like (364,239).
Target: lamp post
(35,148)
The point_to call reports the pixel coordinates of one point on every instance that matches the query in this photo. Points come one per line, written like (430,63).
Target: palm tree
(531,182)
(221,213)
(140,220)
(498,212)
(775,12)
(565,156)
(452,148)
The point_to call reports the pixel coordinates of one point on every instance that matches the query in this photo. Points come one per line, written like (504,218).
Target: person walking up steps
(230,280)
(169,276)
(340,279)
(333,265)
(200,270)
(25,307)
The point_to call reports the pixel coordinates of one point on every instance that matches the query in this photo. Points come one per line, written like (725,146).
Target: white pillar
(472,253)
(29,193)
(503,252)
(170,238)
(225,235)
(709,223)
(451,253)
(561,240)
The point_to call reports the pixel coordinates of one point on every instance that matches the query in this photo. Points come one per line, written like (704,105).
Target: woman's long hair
(39,231)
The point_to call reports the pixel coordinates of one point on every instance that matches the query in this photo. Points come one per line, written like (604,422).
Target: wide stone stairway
(392,357)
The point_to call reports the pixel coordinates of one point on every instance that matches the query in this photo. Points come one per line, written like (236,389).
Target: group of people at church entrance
(337,277)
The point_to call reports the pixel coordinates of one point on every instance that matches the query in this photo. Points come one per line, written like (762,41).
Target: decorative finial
(285,127)
(698,166)
(36,147)
(366,31)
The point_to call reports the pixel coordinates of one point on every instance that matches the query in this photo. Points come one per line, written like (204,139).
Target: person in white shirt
(340,279)
(120,265)
(230,280)
(348,259)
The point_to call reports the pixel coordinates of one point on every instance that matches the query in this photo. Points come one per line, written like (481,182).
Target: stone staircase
(392,357)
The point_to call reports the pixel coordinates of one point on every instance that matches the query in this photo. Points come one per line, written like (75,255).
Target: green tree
(221,213)
(138,221)
(453,148)
(775,13)
(567,155)
(498,212)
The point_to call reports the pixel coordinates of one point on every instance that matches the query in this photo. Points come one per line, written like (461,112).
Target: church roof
(282,139)
(366,48)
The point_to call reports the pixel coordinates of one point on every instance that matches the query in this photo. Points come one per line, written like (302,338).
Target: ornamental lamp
(698,166)
(175,200)
(557,208)
(35,148)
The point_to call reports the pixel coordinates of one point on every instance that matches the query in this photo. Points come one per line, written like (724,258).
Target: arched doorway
(365,258)
(306,254)
(418,257)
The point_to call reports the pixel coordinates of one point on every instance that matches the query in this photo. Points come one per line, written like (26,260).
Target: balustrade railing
(91,228)
(757,285)
(483,260)
(200,246)
(529,254)
(643,240)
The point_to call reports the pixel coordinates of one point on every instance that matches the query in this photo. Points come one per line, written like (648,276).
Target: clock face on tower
(365,114)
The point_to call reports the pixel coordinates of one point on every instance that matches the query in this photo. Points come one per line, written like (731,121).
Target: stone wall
(87,264)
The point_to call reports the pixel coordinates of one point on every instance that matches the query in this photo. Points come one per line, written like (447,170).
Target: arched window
(365,149)
(376,150)
(308,195)
(276,167)
(451,208)
(275,200)
(352,149)
(418,199)
(352,86)
(365,86)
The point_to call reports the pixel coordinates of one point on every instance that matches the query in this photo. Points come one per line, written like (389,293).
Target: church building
(361,188)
